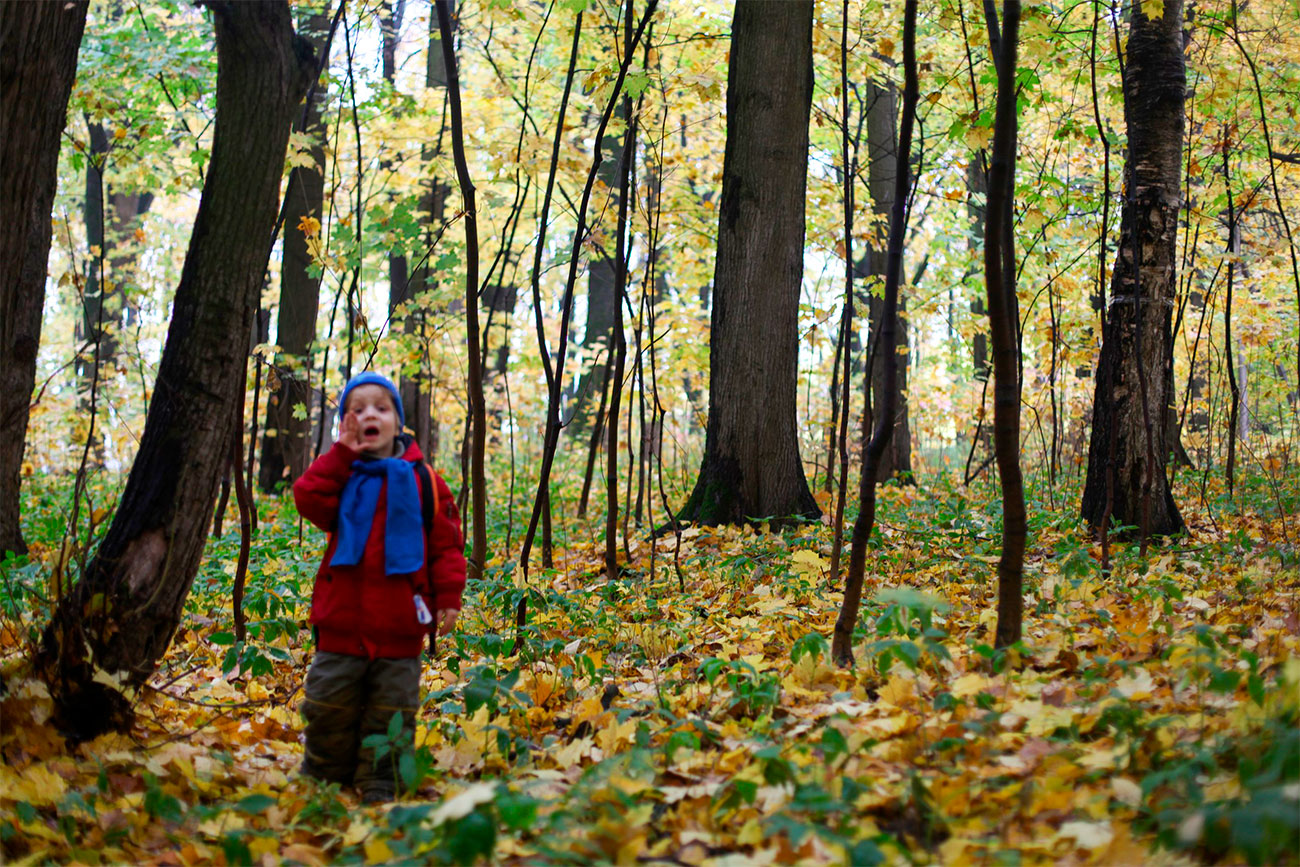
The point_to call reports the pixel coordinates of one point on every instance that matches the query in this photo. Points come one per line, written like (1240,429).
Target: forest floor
(1150,715)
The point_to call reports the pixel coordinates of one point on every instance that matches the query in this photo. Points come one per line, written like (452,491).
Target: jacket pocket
(395,614)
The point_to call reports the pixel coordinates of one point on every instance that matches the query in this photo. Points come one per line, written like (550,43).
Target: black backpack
(428,495)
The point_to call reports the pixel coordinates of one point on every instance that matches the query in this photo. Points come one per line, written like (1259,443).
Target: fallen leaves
(711,726)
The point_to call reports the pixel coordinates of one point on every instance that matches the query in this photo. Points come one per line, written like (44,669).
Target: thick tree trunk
(286,444)
(38,62)
(119,619)
(1126,452)
(751,467)
(882,172)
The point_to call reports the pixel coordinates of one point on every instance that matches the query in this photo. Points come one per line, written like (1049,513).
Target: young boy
(390,575)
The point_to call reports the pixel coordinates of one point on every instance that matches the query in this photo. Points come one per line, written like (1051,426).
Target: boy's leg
(393,685)
(333,699)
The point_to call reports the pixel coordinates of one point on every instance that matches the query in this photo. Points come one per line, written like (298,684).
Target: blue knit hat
(371,378)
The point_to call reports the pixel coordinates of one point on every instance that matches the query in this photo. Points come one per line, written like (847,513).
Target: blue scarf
(403,527)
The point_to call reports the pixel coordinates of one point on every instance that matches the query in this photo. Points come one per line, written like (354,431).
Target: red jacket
(358,610)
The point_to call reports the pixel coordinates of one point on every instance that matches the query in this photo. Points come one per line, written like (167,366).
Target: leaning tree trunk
(119,619)
(286,444)
(38,62)
(751,467)
(882,430)
(1126,451)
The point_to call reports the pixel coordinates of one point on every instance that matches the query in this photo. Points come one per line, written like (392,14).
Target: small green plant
(395,743)
(906,629)
(753,693)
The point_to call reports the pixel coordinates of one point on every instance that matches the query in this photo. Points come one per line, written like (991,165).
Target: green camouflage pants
(347,698)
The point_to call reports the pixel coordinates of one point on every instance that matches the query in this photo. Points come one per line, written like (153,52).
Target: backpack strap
(428,495)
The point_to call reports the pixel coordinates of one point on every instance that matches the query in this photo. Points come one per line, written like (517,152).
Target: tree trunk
(286,444)
(882,430)
(38,62)
(602,299)
(474,374)
(977,188)
(751,468)
(118,621)
(623,170)
(1000,287)
(882,169)
(416,390)
(1126,451)
(110,217)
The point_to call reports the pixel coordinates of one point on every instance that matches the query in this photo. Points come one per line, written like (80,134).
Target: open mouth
(371,431)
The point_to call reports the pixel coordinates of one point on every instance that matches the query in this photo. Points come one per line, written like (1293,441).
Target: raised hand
(350,431)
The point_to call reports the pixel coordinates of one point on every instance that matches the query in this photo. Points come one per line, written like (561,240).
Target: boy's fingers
(447,619)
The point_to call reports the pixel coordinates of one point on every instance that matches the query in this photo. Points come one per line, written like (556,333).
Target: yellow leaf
(260,846)
(890,726)
(589,710)
(809,563)
(1105,759)
(969,684)
(572,754)
(615,734)
(898,691)
(119,133)
(979,137)
(35,784)
(377,851)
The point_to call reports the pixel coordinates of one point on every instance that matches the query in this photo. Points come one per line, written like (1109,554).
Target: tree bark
(1000,287)
(286,444)
(38,63)
(416,390)
(118,621)
(602,299)
(882,171)
(478,415)
(623,172)
(1126,450)
(751,468)
(882,430)
(109,216)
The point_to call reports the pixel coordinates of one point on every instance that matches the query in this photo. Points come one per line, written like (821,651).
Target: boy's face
(376,418)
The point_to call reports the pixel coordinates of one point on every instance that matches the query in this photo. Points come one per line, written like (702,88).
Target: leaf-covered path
(646,724)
